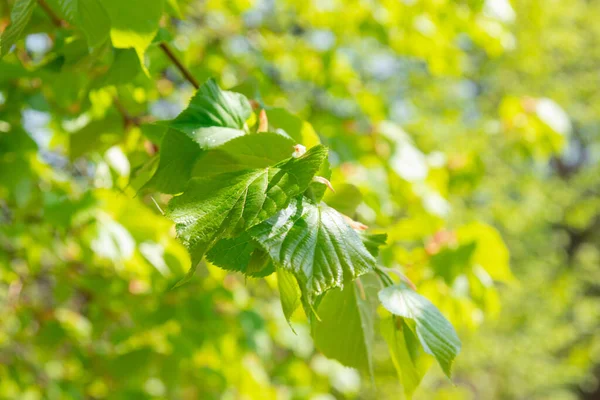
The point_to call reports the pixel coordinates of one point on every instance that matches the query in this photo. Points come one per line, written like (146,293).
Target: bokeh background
(471,128)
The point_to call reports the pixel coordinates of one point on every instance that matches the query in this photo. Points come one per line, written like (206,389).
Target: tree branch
(55,18)
(184,71)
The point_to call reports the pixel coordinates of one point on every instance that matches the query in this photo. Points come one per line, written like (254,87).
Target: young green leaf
(346,330)
(218,206)
(19,18)
(213,116)
(316,244)
(436,334)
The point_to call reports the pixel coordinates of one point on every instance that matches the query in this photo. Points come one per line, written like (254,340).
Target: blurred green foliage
(470,127)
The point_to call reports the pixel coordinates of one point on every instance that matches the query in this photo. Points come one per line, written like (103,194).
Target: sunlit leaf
(435,333)
(316,244)
(220,205)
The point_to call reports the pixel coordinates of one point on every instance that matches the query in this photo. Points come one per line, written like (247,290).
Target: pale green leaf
(435,333)
(410,361)
(19,18)
(134,23)
(215,207)
(490,252)
(316,244)
(345,330)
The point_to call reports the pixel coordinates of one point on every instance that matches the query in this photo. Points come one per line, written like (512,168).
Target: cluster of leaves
(439,112)
(248,206)
(249,198)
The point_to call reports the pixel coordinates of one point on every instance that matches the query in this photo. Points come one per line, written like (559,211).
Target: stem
(385,279)
(55,18)
(184,71)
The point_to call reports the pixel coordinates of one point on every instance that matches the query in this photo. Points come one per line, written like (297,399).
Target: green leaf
(213,116)
(125,67)
(96,136)
(90,16)
(256,150)
(289,292)
(301,131)
(316,244)
(346,330)
(173,8)
(373,242)
(317,190)
(490,252)
(178,153)
(410,361)
(435,333)
(19,18)
(134,23)
(449,262)
(215,207)
(241,254)
(345,199)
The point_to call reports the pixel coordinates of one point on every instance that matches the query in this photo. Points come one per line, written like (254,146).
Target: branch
(184,71)
(128,119)
(55,18)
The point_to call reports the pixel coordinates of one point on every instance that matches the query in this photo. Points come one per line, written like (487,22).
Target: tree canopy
(299,199)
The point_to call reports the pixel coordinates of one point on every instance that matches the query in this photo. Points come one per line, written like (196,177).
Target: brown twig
(128,119)
(56,20)
(184,71)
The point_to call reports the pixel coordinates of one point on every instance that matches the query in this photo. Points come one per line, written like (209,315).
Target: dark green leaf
(316,244)
(241,254)
(373,242)
(215,207)
(213,116)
